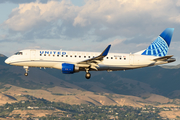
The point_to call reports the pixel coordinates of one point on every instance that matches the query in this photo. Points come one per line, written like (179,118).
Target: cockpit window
(19,53)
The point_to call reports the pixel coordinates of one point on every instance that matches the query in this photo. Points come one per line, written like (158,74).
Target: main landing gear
(26,69)
(88,75)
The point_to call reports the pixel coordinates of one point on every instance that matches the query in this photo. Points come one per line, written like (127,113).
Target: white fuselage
(55,58)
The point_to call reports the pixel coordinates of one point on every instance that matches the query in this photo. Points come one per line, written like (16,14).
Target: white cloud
(116,11)
(22,1)
(178,3)
(120,17)
(29,15)
(117,41)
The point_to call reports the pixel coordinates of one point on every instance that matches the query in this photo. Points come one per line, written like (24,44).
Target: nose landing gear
(26,69)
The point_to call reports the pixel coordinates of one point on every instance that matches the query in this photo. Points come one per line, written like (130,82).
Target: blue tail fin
(161,45)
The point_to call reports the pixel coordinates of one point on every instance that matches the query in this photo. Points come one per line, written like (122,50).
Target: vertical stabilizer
(161,45)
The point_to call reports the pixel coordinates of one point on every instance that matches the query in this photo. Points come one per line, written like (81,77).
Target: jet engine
(69,68)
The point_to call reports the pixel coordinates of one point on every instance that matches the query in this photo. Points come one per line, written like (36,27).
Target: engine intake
(69,68)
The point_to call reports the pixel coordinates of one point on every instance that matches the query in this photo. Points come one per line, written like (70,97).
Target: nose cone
(7,61)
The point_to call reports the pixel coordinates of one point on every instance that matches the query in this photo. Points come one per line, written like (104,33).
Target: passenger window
(106,57)
(49,55)
(62,55)
(89,57)
(120,58)
(124,58)
(115,57)
(57,55)
(111,57)
(79,56)
(44,54)
(66,55)
(70,55)
(53,55)
(40,54)
(84,56)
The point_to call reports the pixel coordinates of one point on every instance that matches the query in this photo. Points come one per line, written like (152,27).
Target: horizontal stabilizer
(163,58)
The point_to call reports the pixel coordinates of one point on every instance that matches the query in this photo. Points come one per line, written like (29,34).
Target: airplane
(74,61)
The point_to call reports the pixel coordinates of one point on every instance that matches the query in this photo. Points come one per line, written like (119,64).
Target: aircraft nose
(7,61)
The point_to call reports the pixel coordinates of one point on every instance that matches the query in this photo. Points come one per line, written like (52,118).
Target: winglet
(105,52)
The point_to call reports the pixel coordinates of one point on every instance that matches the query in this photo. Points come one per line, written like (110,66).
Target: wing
(93,62)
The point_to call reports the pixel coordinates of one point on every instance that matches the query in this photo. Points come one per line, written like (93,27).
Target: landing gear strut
(26,69)
(88,75)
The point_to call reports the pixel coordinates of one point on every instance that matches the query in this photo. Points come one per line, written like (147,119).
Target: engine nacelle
(69,68)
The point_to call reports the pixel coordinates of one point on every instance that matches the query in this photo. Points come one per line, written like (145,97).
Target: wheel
(88,75)
(26,74)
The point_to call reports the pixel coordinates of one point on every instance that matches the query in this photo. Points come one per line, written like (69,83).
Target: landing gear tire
(26,74)
(88,75)
(26,69)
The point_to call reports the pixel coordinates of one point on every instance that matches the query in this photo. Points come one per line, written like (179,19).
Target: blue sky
(87,25)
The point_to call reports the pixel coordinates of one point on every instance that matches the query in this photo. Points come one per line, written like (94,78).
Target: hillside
(156,80)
